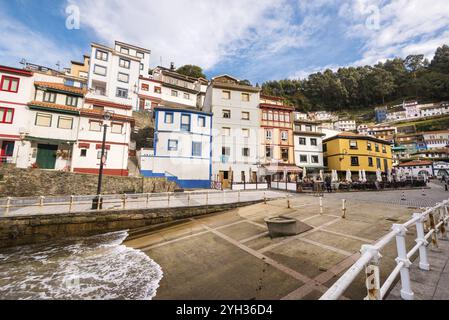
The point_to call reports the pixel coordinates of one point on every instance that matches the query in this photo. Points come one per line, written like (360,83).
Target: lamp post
(97,203)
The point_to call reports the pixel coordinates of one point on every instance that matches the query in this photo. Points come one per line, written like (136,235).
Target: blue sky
(258,40)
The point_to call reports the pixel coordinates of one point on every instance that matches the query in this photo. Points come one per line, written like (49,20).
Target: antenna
(161,61)
(23,61)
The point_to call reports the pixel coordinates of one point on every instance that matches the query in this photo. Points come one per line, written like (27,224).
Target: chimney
(172,66)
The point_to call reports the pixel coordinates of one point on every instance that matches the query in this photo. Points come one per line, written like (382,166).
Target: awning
(279,169)
(48,140)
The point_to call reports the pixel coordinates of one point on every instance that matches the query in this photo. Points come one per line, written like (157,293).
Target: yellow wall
(339,155)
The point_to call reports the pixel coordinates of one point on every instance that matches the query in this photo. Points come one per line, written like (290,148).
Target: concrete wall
(28,182)
(28,230)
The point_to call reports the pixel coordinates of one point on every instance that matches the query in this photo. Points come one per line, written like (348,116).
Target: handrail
(371,255)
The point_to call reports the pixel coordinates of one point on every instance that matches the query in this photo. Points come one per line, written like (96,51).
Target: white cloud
(406,27)
(198,32)
(305,73)
(20,42)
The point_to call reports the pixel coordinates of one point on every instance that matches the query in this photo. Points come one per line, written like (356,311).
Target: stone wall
(23,230)
(33,182)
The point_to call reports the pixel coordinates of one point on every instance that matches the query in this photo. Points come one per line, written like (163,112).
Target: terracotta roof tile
(61,87)
(100,114)
(416,163)
(52,106)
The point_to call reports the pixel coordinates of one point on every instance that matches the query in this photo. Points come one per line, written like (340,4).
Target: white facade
(182,152)
(434,110)
(144,55)
(308,142)
(236,124)
(150,93)
(16,90)
(436,139)
(417,168)
(345,125)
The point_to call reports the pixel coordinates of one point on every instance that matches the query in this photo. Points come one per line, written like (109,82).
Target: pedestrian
(328,182)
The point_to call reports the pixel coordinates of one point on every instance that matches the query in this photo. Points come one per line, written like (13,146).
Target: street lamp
(97,203)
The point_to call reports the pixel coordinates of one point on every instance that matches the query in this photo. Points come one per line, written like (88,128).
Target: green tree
(440,62)
(191,71)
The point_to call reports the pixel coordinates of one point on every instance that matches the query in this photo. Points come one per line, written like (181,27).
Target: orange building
(277,154)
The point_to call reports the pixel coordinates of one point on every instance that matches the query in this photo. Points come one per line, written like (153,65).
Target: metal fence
(428,224)
(70,204)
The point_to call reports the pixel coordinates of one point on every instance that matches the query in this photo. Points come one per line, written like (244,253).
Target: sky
(258,40)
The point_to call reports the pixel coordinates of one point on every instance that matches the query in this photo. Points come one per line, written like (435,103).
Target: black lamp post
(97,203)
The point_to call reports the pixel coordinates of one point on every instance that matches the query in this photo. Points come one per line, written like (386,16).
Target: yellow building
(356,152)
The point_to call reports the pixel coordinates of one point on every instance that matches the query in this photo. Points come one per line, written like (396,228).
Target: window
(284,135)
(185,122)
(281,117)
(117,128)
(245,115)
(302,141)
(225,151)
(386,165)
(83,153)
(353,144)
(308,128)
(245,133)
(314,142)
(168,118)
(315,159)
(226,95)
(10,84)
(270,116)
(264,115)
(123,77)
(6,115)
(202,122)
(196,149)
(325,147)
(101,55)
(141,66)
(370,162)
(355,161)
(157,90)
(49,97)
(187,96)
(245,152)
(43,120)
(384,149)
(100,70)
(227,114)
(379,163)
(122,93)
(268,134)
(65,123)
(124,50)
(369,147)
(226,132)
(174,93)
(172,145)
(95,126)
(124,63)
(377,148)
(276,116)
(284,154)
(287,117)
(303,158)
(245,97)
(140,55)
(71,101)
(269,152)
(145,87)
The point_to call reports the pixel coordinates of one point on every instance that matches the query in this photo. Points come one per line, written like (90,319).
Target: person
(328,182)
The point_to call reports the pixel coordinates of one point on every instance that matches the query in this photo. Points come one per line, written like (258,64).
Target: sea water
(90,268)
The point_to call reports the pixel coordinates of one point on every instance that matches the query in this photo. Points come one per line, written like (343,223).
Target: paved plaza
(231,256)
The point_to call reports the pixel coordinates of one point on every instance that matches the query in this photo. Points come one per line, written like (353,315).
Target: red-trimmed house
(15,92)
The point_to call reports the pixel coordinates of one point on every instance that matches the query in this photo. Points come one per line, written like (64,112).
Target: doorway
(46,156)
(225,179)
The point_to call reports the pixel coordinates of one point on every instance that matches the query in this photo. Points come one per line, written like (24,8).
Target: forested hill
(360,87)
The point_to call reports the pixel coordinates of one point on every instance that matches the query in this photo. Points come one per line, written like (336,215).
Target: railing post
(41,202)
(71,203)
(432,227)
(207,199)
(423,261)
(288,202)
(441,218)
(100,201)
(372,273)
(148,200)
(188,199)
(343,208)
(238,196)
(406,291)
(8,205)
(124,201)
(265,198)
(168,200)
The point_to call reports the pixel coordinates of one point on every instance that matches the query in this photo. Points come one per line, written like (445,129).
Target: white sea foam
(98,267)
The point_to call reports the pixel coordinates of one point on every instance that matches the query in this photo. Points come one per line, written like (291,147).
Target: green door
(46,156)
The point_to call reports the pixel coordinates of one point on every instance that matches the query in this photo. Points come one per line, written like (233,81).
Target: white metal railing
(70,204)
(428,224)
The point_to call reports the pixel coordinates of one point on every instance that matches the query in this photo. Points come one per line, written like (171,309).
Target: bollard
(124,201)
(372,273)
(343,208)
(403,198)
(168,199)
(238,196)
(288,202)
(265,198)
(41,202)
(100,201)
(188,199)
(423,260)
(423,192)
(148,200)
(71,203)
(207,199)
(321,205)
(8,205)
(406,291)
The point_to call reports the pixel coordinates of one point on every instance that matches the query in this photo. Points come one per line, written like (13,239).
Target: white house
(143,55)
(16,89)
(182,148)
(308,143)
(436,139)
(417,168)
(150,93)
(345,125)
(236,124)
(440,169)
